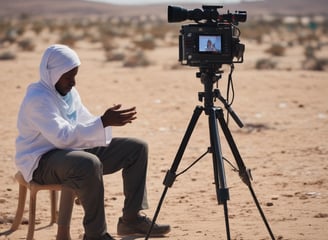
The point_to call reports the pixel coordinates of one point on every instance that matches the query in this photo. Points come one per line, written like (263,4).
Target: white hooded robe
(47,121)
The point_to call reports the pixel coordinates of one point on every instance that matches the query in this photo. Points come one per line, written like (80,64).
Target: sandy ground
(284,143)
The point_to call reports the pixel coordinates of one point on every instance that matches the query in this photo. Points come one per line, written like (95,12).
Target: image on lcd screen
(210,43)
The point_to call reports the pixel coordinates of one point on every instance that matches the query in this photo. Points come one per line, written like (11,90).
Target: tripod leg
(261,212)
(171,174)
(244,173)
(198,110)
(232,144)
(219,175)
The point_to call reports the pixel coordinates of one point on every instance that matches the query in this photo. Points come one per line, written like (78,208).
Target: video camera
(213,41)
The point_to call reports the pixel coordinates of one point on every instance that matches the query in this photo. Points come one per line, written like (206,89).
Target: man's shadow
(10,231)
(5,233)
(138,237)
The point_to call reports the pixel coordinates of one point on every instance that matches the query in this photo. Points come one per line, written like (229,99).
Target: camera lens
(176,14)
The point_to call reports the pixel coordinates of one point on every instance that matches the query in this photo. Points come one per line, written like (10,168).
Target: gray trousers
(83,170)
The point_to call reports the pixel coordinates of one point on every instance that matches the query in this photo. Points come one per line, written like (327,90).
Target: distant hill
(80,8)
(286,7)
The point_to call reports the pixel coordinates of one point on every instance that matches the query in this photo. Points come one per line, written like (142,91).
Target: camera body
(213,40)
(204,45)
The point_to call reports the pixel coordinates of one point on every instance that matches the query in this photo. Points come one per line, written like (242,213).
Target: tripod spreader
(169,178)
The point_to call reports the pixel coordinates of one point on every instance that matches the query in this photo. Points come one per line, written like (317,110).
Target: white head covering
(57,60)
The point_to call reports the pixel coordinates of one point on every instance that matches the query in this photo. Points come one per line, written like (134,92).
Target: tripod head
(210,76)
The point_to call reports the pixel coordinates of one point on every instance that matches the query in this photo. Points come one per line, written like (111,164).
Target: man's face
(66,82)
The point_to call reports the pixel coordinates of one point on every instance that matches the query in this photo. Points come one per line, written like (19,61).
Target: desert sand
(284,141)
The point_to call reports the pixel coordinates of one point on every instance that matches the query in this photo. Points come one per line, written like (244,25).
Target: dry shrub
(265,63)
(146,42)
(26,44)
(38,27)
(11,35)
(7,55)
(175,66)
(160,28)
(4,25)
(91,34)
(115,55)
(138,59)
(107,43)
(315,64)
(309,52)
(113,29)
(68,38)
(276,50)
(51,25)
(304,38)
(254,32)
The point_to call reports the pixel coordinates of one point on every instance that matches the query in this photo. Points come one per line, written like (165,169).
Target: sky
(216,2)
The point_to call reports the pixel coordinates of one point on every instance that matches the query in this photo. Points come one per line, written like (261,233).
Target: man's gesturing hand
(116,117)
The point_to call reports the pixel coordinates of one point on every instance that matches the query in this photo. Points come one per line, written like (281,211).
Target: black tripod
(215,114)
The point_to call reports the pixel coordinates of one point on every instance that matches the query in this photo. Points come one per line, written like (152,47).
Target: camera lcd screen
(209,44)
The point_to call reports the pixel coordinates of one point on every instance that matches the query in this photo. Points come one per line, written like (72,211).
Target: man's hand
(116,117)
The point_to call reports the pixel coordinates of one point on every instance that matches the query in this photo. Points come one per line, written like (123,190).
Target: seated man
(60,142)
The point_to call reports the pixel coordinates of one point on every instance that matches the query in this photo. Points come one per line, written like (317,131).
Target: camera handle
(215,115)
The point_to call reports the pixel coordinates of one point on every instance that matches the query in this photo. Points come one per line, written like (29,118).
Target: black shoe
(141,227)
(104,237)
